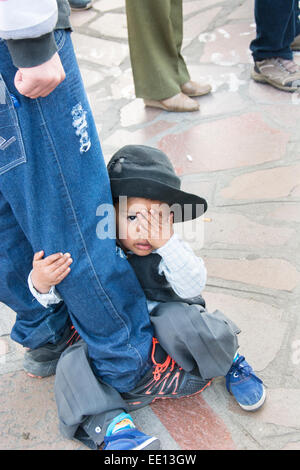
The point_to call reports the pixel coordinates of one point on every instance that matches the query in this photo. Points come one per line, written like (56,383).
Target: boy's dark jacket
(155,286)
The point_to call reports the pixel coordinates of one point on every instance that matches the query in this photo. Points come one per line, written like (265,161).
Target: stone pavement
(241,151)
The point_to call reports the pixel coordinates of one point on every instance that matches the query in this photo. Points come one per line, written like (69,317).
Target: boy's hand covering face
(143,225)
(49,271)
(156,225)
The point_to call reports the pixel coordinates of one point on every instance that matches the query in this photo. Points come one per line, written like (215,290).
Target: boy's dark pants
(201,343)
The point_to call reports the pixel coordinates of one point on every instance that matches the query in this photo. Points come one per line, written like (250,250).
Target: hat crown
(143,162)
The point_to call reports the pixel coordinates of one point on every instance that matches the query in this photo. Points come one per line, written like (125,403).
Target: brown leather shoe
(191,88)
(179,103)
(295,46)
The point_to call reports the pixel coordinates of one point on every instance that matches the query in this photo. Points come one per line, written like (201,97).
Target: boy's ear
(172,216)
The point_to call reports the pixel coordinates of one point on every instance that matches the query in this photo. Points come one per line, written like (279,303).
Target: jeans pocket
(12,152)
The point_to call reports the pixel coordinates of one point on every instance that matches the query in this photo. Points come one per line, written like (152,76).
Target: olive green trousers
(155,30)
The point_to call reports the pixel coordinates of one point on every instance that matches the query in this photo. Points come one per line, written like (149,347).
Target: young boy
(189,343)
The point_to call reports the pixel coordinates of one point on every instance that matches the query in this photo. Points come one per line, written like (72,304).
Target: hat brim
(186,206)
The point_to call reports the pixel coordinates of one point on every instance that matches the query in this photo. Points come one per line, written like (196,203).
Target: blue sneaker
(132,439)
(244,385)
(123,435)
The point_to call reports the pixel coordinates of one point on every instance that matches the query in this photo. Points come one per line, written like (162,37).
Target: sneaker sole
(261,79)
(42,370)
(195,95)
(135,405)
(151,444)
(257,405)
(156,104)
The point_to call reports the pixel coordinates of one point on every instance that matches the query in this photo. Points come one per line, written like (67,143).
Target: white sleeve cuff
(185,271)
(52,297)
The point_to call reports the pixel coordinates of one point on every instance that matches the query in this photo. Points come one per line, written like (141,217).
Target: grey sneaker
(295,46)
(42,362)
(280,73)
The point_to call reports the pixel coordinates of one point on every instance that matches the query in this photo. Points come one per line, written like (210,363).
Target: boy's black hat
(146,172)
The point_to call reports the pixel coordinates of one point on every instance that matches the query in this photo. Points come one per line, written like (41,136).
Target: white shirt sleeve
(21,19)
(52,297)
(184,270)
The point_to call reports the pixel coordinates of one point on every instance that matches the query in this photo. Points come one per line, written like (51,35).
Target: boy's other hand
(49,271)
(40,81)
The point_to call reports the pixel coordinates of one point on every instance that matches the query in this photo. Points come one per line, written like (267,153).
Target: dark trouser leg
(85,405)
(197,340)
(277,25)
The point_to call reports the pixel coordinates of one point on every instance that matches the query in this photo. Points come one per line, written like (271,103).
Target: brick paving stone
(218,104)
(122,86)
(285,116)
(200,429)
(194,6)
(244,11)
(90,77)
(292,446)
(258,143)
(228,45)
(99,51)
(235,229)
(286,212)
(197,24)
(222,80)
(273,183)
(135,113)
(296,192)
(7,319)
(282,408)
(11,355)
(293,347)
(28,414)
(111,24)
(193,184)
(106,5)
(254,318)
(141,137)
(266,273)
(3,350)
(262,93)
(80,18)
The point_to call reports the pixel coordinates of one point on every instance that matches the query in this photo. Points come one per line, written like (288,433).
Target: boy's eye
(131,217)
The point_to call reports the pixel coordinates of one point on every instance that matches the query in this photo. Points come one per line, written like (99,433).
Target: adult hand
(40,81)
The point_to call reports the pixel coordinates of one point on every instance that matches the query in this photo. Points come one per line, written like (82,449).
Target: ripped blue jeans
(53,179)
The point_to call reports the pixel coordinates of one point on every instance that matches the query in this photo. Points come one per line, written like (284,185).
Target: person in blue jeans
(277,36)
(52,181)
